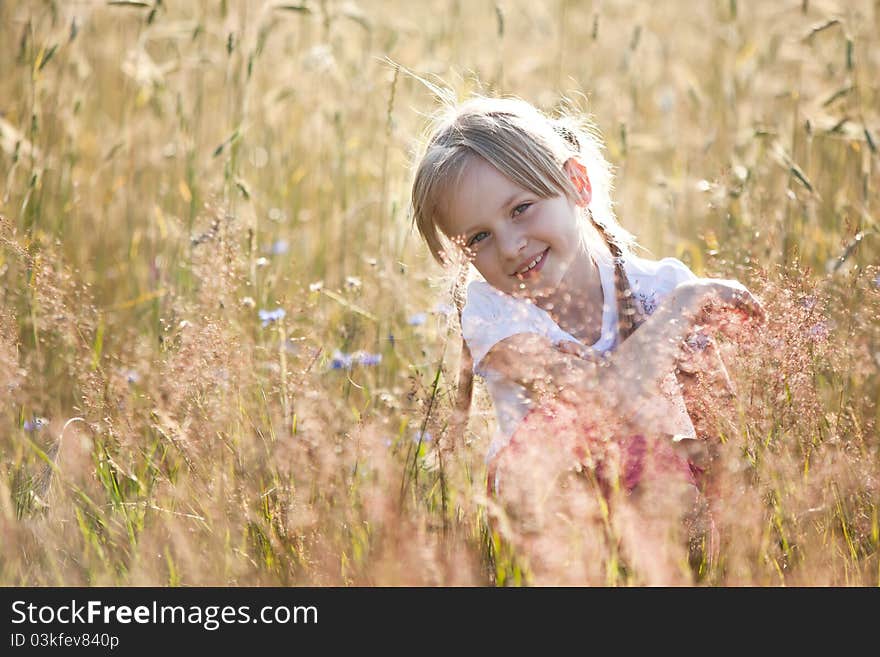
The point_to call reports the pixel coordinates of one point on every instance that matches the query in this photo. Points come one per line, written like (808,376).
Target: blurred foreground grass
(173,176)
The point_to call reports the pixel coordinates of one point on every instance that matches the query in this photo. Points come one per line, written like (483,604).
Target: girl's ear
(577,173)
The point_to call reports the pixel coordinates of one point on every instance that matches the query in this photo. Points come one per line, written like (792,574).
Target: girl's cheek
(481,265)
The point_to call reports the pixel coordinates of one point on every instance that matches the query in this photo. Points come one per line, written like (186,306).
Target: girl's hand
(725,305)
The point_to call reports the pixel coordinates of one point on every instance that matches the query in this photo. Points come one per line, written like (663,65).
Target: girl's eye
(478,238)
(519,209)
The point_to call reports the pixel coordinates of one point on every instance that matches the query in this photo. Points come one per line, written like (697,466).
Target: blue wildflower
(131,376)
(423,437)
(819,331)
(36,424)
(367,359)
(698,341)
(340,361)
(417,320)
(269,316)
(343,361)
(280,247)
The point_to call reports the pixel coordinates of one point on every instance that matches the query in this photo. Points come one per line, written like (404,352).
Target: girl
(592,423)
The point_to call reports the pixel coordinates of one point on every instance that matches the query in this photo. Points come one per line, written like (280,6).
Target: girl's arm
(632,373)
(534,362)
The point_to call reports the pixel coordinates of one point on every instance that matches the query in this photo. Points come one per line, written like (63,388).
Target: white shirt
(490,316)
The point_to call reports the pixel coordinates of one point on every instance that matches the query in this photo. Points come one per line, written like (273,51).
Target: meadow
(227,359)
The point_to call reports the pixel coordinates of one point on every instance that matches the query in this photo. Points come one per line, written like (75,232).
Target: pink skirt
(619,458)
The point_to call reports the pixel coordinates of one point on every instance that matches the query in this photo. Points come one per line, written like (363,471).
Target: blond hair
(528,147)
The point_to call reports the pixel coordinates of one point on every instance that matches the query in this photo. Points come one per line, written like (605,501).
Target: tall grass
(170,171)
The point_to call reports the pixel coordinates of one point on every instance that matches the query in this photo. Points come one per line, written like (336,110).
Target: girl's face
(506,228)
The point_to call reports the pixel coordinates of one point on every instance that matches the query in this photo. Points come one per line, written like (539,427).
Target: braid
(465,389)
(627,319)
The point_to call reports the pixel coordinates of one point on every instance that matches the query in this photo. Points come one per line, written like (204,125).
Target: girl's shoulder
(664,274)
(651,280)
(490,316)
(664,270)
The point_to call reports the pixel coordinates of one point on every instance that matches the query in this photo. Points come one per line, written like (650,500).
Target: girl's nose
(511,244)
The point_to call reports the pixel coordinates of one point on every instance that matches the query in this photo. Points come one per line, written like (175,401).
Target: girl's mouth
(534,267)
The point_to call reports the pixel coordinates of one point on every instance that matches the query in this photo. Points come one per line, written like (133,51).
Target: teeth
(532,264)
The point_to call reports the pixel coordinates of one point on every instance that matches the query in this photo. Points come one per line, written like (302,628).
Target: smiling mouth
(533,267)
